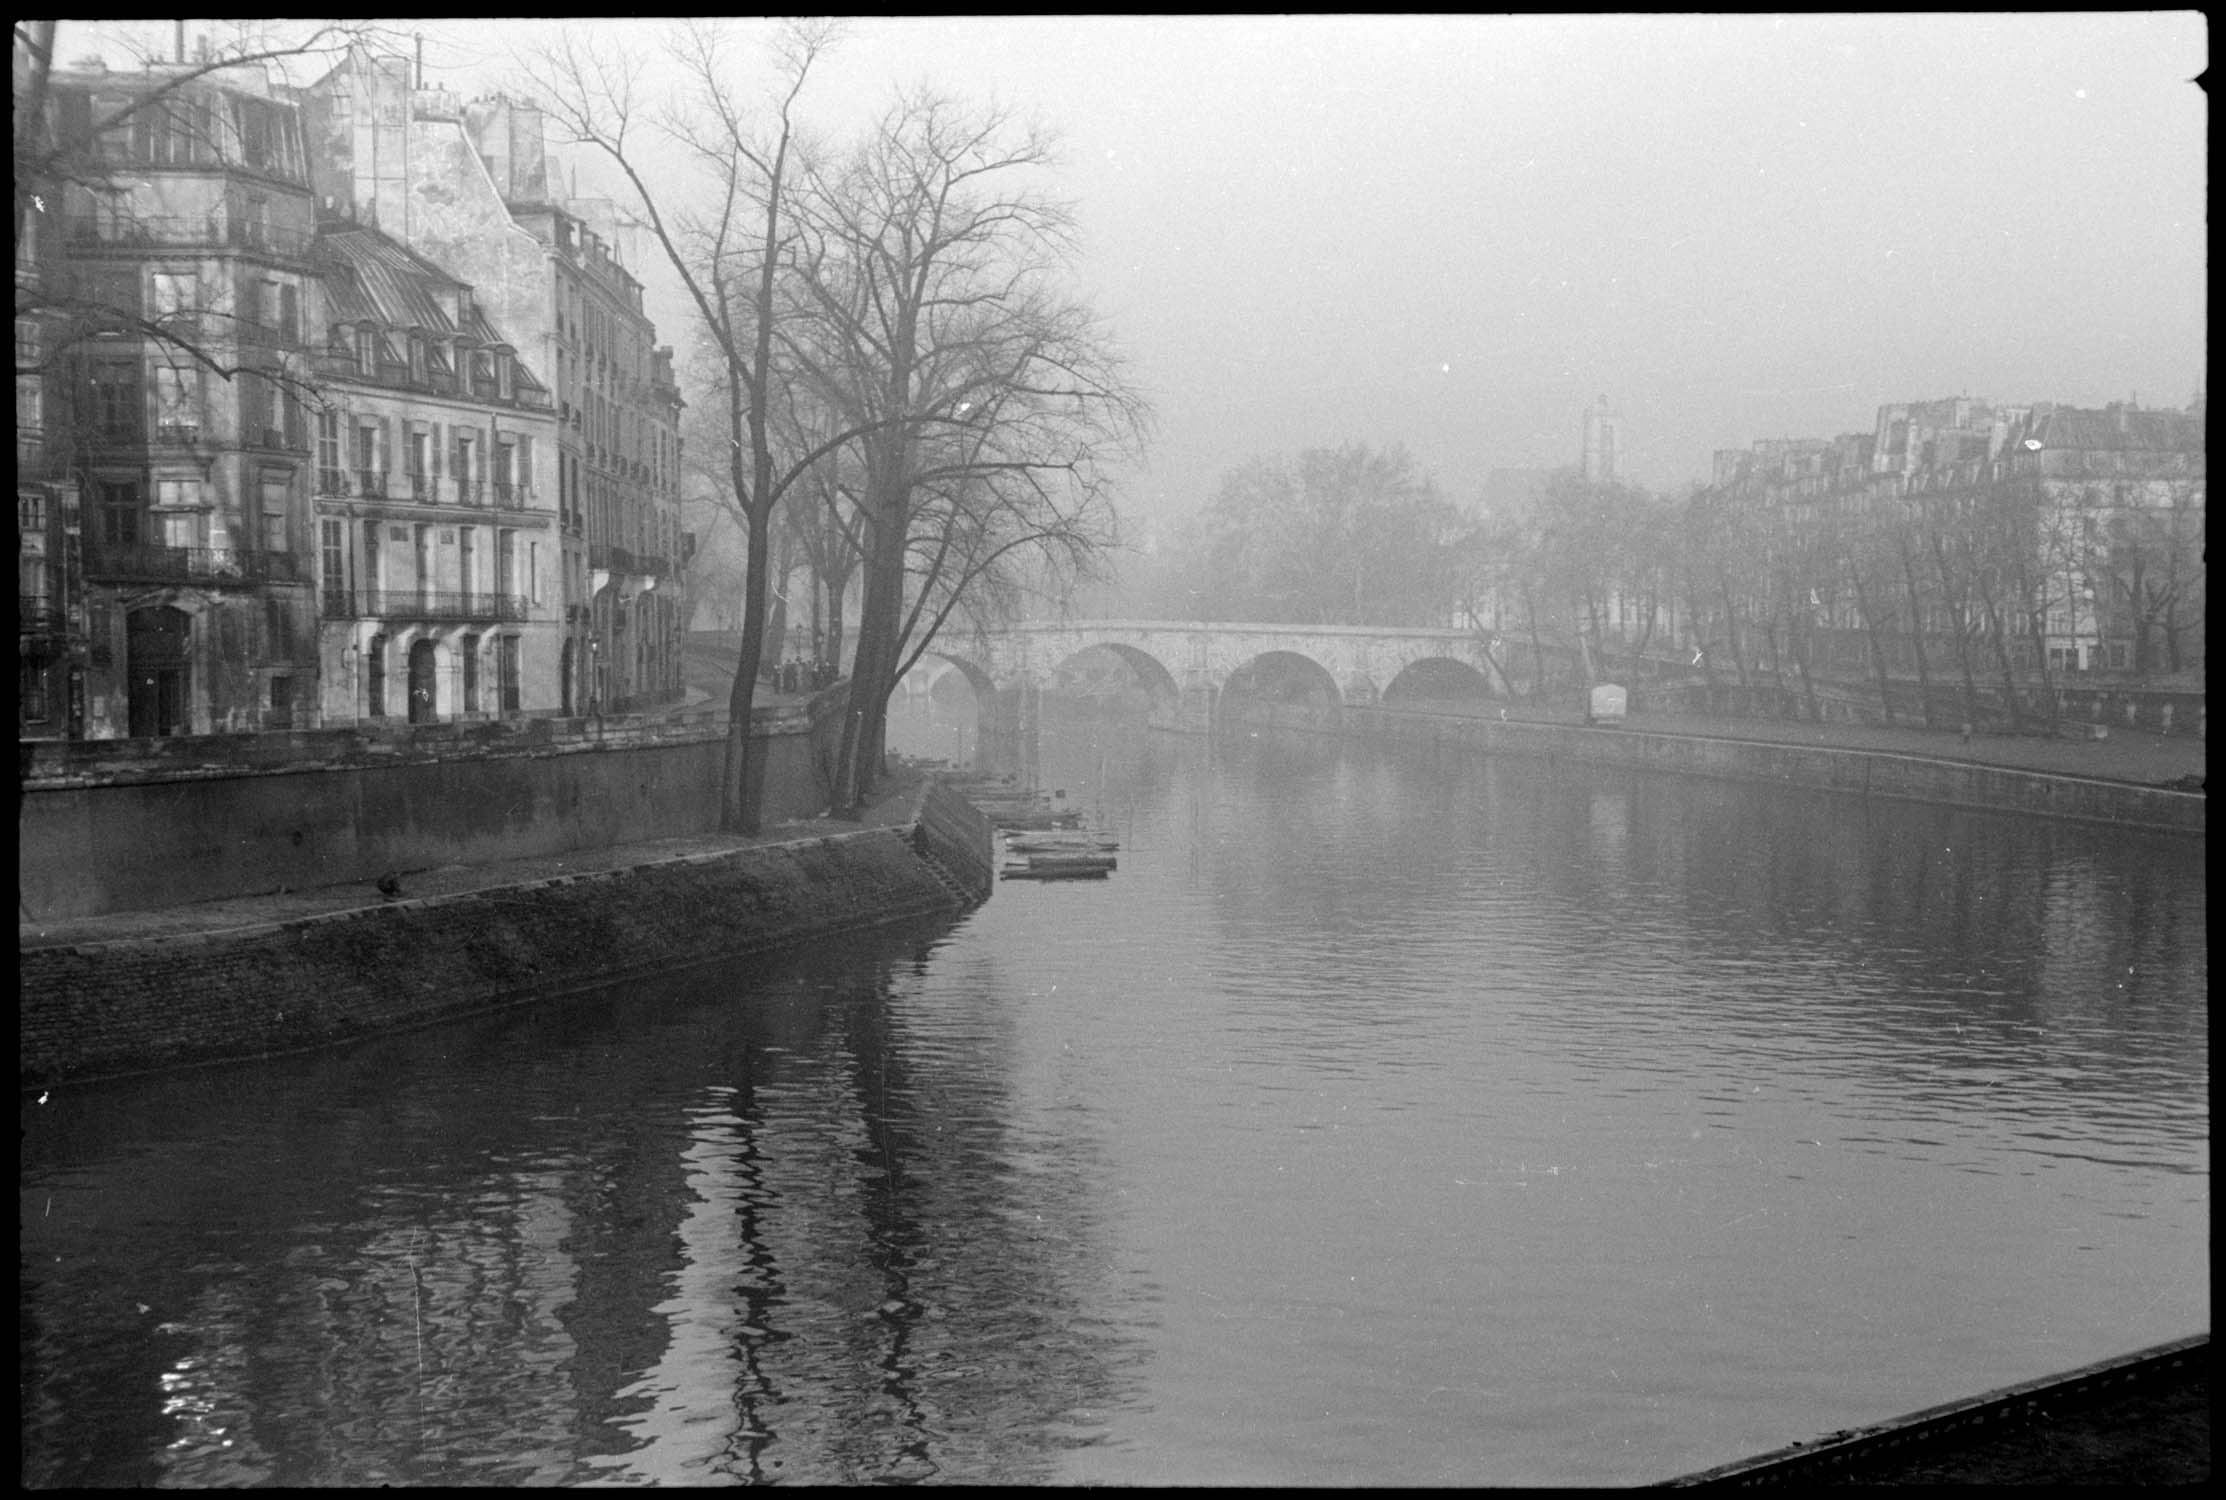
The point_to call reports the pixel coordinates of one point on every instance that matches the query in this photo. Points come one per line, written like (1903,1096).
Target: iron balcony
(423,604)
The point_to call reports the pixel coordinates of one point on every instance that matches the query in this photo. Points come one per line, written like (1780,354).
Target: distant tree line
(1895,589)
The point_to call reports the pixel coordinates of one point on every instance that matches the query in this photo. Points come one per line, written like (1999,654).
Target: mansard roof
(2125,429)
(402,288)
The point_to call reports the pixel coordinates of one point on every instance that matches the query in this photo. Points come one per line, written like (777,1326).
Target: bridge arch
(1284,677)
(1438,678)
(1148,671)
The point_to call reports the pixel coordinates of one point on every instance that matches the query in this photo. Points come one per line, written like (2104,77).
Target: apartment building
(2100,511)
(475,189)
(171,429)
(439,585)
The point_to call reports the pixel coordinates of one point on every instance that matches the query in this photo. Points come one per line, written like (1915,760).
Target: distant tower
(1603,436)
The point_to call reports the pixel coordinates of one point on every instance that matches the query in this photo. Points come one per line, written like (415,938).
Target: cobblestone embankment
(138,991)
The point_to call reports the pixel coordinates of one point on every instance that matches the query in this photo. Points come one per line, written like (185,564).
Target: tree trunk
(836,589)
(2002,663)
(776,625)
(1777,669)
(1962,638)
(1537,646)
(1797,637)
(742,787)
(1917,635)
(1869,618)
(2037,628)
(1731,632)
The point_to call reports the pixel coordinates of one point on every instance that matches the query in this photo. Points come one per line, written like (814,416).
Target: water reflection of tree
(979,1244)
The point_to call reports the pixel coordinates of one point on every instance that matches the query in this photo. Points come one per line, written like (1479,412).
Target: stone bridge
(1188,667)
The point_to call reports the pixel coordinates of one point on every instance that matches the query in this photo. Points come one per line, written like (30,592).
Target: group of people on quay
(798,675)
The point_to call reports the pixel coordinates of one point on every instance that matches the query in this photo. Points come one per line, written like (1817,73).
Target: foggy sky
(1456,233)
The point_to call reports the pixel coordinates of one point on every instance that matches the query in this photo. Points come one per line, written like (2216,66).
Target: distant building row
(330,410)
(2115,536)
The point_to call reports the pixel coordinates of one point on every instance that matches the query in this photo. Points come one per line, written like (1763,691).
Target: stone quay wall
(106,826)
(110,1009)
(1869,773)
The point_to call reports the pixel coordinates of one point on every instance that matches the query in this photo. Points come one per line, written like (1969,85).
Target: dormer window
(417,358)
(505,376)
(367,350)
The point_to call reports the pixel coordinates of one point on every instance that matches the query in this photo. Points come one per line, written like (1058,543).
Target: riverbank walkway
(2148,759)
(2133,755)
(275,908)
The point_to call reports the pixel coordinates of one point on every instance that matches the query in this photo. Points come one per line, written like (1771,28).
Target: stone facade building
(336,412)
(472,188)
(175,399)
(2100,512)
(439,574)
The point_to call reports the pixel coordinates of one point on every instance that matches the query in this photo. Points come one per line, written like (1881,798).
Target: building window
(118,416)
(182,133)
(274,529)
(174,301)
(508,673)
(282,702)
(332,551)
(328,453)
(177,403)
(471,674)
(119,511)
(181,512)
(374,678)
(367,352)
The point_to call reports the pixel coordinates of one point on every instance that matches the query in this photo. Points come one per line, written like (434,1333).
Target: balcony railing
(39,618)
(422,604)
(421,488)
(264,336)
(115,432)
(369,484)
(182,433)
(510,496)
(471,492)
(217,565)
(190,231)
(332,481)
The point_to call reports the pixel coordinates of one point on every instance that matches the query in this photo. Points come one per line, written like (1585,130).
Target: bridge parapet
(1200,657)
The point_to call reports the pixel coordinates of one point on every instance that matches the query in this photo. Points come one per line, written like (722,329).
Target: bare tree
(731,254)
(937,329)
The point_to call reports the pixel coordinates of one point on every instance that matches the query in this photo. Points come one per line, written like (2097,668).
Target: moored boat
(1014,870)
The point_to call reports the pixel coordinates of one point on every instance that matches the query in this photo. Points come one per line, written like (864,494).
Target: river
(1387,1118)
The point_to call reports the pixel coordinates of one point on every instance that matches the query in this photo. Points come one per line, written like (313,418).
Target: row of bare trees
(1961,587)
(901,389)
(1886,591)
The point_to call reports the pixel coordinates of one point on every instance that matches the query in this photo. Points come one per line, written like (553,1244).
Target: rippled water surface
(1384,1119)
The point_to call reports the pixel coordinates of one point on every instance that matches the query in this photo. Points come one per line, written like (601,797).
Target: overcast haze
(1455,233)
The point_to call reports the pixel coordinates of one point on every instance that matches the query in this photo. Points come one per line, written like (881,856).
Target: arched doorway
(564,676)
(157,645)
(422,702)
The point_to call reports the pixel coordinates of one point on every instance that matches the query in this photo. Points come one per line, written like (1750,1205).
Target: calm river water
(1384,1119)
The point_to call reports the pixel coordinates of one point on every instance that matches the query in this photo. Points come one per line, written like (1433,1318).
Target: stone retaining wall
(100,1010)
(1863,772)
(109,826)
